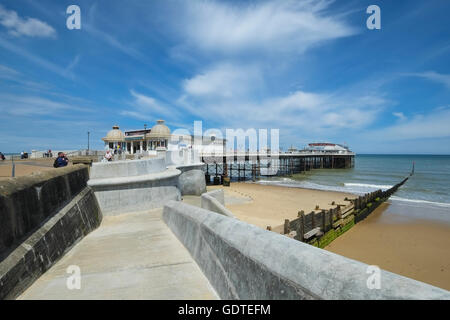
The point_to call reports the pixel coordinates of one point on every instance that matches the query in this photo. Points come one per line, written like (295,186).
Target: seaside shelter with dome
(114,139)
(138,141)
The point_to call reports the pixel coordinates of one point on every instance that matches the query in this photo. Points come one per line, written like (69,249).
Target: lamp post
(145,136)
(88,139)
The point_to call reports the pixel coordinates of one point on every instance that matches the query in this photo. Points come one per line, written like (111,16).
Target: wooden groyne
(320,227)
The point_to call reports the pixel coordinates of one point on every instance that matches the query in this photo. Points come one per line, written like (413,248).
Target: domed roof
(114,135)
(160,130)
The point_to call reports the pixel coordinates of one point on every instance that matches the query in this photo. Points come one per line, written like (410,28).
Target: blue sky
(309,68)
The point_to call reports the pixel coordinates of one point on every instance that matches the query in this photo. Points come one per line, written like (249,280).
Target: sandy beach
(411,247)
(266,205)
(415,248)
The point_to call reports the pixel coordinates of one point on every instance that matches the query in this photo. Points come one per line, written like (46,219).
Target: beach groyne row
(242,261)
(42,216)
(321,227)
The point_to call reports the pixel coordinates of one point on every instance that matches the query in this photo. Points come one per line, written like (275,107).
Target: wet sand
(415,248)
(392,238)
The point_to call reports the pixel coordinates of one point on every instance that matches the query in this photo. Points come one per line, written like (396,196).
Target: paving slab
(130,256)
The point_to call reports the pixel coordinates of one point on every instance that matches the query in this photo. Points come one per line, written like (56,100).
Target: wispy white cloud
(278,26)
(30,27)
(223,80)
(399,115)
(19,105)
(443,79)
(227,95)
(10,75)
(434,124)
(144,107)
(73,63)
(113,42)
(35,59)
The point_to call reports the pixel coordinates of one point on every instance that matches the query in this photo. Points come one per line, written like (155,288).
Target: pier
(245,166)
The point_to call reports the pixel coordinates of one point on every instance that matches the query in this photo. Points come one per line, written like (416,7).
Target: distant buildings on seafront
(159,137)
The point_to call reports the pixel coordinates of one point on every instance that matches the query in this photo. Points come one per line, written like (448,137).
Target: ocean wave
(354,188)
(439,204)
(364,185)
(286,182)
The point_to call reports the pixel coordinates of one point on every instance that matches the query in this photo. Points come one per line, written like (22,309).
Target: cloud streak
(35,59)
(227,95)
(421,126)
(143,107)
(280,26)
(30,27)
(434,76)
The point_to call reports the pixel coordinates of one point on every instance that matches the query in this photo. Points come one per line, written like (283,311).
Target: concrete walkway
(132,256)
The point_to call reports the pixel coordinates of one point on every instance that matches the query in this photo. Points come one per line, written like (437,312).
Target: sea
(426,195)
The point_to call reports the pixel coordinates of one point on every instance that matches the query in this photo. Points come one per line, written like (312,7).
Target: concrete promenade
(131,256)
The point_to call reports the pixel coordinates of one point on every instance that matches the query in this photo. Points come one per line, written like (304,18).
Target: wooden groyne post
(320,228)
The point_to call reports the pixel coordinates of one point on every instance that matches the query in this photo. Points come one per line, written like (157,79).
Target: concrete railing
(242,261)
(116,169)
(215,201)
(41,217)
(134,185)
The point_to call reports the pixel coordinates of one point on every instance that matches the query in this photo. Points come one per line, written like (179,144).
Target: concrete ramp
(132,256)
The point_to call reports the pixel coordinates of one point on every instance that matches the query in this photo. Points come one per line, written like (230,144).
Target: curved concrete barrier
(215,201)
(134,185)
(242,261)
(127,168)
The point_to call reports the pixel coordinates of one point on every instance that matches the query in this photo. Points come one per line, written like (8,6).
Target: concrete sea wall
(41,217)
(25,202)
(137,185)
(115,169)
(215,201)
(242,261)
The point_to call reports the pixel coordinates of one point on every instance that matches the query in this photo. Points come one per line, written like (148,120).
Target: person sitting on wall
(61,161)
(2,156)
(108,156)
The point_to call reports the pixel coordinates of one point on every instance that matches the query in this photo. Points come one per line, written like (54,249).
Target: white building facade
(159,138)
